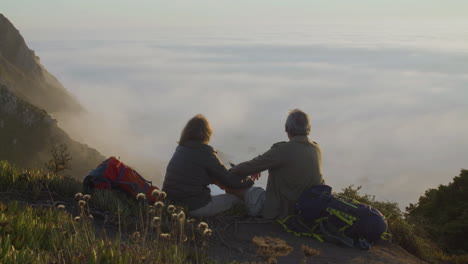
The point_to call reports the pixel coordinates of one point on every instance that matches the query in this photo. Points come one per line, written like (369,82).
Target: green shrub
(407,235)
(443,212)
(432,229)
(34,182)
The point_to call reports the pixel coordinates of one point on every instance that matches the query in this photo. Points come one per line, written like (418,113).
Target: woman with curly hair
(194,166)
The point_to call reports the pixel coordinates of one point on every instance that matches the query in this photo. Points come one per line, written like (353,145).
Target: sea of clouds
(389,111)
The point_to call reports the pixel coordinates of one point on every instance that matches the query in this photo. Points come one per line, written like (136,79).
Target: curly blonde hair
(197,128)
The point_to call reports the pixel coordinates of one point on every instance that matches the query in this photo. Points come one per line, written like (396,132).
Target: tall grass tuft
(53,235)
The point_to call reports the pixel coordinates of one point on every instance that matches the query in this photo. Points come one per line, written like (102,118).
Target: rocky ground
(232,240)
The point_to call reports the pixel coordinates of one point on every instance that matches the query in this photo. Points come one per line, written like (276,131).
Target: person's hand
(222,187)
(255,176)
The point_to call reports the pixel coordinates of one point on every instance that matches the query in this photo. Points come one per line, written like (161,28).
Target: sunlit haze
(385,82)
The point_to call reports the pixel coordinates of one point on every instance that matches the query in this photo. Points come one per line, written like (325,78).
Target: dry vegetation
(45,218)
(66,231)
(410,233)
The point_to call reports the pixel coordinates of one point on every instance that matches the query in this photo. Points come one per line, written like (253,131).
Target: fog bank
(391,117)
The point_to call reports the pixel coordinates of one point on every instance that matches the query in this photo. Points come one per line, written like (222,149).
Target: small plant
(268,248)
(60,161)
(308,253)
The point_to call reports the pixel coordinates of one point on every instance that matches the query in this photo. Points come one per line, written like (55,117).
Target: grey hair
(298,123)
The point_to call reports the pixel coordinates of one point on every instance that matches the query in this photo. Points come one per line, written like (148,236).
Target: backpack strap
(298,224)
(348,219)
(332,235)
(135,187)
(121,173)
(386,236)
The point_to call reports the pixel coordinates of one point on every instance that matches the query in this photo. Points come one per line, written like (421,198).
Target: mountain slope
(22,72)
(27,133)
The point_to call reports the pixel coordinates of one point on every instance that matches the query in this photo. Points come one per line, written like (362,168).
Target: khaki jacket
(292,166)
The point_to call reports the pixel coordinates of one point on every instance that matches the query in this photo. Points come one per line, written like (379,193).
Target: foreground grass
(51,234)
(139,233)
(31,185)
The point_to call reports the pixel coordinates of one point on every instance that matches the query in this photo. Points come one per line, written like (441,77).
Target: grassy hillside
(45,219)
(27,90)
(435,228)
(27,134)
(42,220)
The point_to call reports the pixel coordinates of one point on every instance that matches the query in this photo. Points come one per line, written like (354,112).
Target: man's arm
(268,160)
(222,176)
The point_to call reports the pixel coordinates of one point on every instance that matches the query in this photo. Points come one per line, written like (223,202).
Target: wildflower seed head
(191,221)
(156,221)
(202,226)
(87,197)
(141,196)
(61,206)
(207,232)
(77,218)
(171,209)
(78,196)
(159,205)
(155,193)
(181,216)
(162,196)
(152,211)
(91,217)
(165,236)
(82,203)
(136,236)
(174,216)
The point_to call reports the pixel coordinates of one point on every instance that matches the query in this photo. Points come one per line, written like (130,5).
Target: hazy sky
(114,14)
(385,82)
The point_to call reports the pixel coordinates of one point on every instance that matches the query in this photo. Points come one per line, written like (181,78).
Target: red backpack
(112,173)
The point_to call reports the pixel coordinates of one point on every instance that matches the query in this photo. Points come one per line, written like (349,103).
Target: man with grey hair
(293,167)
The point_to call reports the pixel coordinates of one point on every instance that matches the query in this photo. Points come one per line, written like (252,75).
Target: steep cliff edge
(27,133)
(28,92)
(22,72)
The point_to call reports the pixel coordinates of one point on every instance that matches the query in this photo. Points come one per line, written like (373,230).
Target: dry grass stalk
(308,253)
(269,248)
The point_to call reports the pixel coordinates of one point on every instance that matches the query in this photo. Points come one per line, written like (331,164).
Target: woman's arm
(220,174)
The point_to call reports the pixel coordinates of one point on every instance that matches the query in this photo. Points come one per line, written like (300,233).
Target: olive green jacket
(292,166)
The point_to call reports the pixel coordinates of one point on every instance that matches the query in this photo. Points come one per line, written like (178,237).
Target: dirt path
(232,240)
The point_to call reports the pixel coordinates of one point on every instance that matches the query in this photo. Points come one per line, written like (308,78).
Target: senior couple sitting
(293,166)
